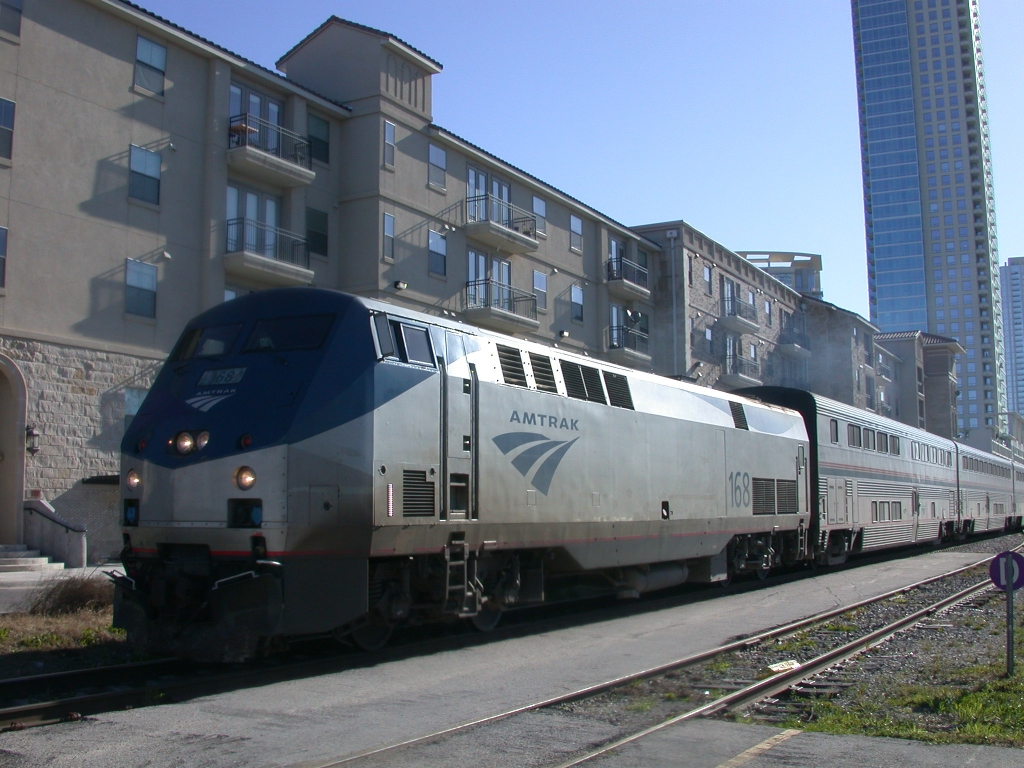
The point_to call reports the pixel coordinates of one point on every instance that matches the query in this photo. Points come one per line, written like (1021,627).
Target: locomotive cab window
(399,341)
(205,342)
(416,345)
(287,334)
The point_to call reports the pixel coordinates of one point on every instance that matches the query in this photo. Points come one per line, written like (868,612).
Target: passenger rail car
(311,462)
(879,483)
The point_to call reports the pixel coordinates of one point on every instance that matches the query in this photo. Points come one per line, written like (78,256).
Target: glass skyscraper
(1012,279)
(928,203)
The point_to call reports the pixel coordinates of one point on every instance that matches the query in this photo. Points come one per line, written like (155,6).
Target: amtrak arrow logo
(206,402)
(539,447)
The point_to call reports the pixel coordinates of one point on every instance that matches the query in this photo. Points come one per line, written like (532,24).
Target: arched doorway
(12,451)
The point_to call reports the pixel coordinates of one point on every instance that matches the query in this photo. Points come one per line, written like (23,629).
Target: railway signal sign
(1007,573)
(1006,567)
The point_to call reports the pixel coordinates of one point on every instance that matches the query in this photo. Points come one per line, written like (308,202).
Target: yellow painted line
(760,749)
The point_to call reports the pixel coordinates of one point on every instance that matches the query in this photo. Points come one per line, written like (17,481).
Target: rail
(501,212)
(494,295)
(255,132)
(624,337)
(631,272)
(793,336)
(271,242)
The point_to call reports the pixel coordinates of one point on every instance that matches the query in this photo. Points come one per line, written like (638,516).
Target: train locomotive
(311,463)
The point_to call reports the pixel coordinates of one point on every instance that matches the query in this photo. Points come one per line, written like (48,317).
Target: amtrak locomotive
(309,462)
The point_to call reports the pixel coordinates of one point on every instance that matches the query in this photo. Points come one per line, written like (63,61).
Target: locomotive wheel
(762,573)
(486,619)
(373,634)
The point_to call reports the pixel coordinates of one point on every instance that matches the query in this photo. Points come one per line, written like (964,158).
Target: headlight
(201,440)
(132,480)
(245,478)
(185,443)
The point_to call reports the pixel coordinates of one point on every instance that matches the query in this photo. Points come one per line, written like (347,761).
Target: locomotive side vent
(583,382)
(543,374)
(786,492)
(618,390)
(739,418)
(417,494)
(511,366)
(762,496)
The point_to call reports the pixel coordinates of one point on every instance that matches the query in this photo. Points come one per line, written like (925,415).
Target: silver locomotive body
(408,468)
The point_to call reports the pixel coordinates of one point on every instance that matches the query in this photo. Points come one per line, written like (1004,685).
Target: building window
(150,65)
(389,236)
(708,287)
(768,313)
(438,164)
(540,210)
(389,148)
(576,233)
(437,261)
(144,179)
(6,128)
(10,17)
(319,131)
(576,297)
(3,257)
(540,288)
(316,231)
(140,288)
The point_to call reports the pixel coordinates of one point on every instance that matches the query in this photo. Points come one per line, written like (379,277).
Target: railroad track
(69,696)
(742,696)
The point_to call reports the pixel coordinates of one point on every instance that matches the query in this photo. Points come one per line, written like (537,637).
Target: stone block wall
(76,401)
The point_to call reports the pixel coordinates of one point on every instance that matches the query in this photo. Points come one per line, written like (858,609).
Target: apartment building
(719,320)
(148,174)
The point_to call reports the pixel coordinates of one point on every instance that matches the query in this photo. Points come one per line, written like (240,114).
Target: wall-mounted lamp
(172,148)
(165,256)
(563,334)
(31,440)
(400,285)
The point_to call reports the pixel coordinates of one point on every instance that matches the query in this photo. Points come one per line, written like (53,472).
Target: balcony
(739,372)
(794,344)
(628,346)
(499,306)
(884,371)
(500,224)
(884,409)
(627,280)
(738,316)
(267,152)
(264,254)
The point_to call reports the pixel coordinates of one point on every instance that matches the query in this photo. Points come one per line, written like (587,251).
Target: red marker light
(245,441)
(142,445)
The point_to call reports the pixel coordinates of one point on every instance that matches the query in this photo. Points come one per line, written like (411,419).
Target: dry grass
(71,594)
(67,626)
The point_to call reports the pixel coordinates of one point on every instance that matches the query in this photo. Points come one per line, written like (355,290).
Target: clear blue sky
(738,115)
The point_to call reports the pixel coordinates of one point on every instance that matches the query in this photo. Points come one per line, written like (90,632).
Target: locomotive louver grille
(543,373)
(785,492)
(618,390)
(762,497)
(583,382)
(739,418)
(511,366)
(417,494)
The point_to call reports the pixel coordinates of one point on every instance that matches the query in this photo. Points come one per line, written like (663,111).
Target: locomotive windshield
(282,334)
(205,342)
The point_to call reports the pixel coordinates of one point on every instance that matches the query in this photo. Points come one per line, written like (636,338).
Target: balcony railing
(884,371)
(270,242)
(734,307)
(495,295)
(740,366)
(255,132)
(624,269)
(501,212)
(793,336)
(624,337)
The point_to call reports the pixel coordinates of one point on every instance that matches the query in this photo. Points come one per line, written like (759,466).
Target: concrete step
(32,567)
(24,560)
(19,554)
(4,548)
